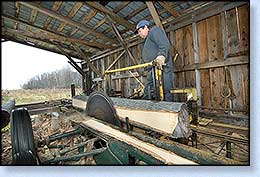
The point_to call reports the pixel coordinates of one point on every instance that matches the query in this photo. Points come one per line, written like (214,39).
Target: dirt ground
(43,126)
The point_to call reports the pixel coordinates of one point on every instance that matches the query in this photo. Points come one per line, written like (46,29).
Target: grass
(22,96)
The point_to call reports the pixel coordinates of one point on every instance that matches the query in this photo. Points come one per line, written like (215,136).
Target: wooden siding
(215,43)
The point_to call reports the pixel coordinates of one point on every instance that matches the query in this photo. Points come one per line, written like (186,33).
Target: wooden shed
(209,45)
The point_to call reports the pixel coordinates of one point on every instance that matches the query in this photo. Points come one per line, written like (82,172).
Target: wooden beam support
(71,13)
(196,60)
(11,38)
(121,6)
(72,62)
(83,55)
(67,20)
(56,5)
(154,14)
(101,22)
(231,61)
(50,35)
(206,11)
(137,11)
(168,7)
(35,37)
(122,42)
(115,60)
(113,15)
(33,16)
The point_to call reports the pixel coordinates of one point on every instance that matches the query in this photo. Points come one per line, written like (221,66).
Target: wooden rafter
(58,37)
(113,15)
(87,59)
(66,20)
(121,6)
(71,13)
(101,22)
(169,8)
(154,14)
(88,16)
(29,35)
(11,38)
(85,19)
(134,13)
(55,7)
(33,16)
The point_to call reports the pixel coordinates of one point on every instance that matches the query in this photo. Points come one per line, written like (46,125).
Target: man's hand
(160,60)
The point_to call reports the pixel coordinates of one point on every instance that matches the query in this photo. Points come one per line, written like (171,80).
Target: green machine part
(120,153)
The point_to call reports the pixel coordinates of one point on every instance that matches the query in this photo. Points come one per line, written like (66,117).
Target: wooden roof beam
(154,14)
(121,6)
(71,13)
(33,36)
(137,11)
(169,8)
(101,22)
(113,15)
(67,20)
(11,38)
(33,16)
(58,36)
(55,7)
(85,19)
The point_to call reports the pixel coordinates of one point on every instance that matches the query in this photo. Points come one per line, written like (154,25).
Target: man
(156,48)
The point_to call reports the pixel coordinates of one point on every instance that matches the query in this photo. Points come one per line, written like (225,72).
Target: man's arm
(160,38)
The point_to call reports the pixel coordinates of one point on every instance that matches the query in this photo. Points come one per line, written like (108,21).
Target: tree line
(62,78)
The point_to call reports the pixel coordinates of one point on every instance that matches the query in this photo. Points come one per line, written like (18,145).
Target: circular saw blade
(101,107)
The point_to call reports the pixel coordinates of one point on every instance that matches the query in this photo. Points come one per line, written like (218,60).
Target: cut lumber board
(167,157)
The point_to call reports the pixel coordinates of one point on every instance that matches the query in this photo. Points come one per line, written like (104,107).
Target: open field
(22,96)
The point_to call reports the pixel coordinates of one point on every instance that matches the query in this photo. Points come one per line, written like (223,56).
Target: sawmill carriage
(209,49)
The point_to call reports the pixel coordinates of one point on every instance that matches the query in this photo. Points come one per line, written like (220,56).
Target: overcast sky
(21,62)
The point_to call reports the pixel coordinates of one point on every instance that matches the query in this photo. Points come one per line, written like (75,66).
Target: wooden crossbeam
(66,20)
(58,37)
(56,5)
(169,8)
(87,59)
(71,13)
(121,40)
(154,14)
(85,20)
(33,16)
(101,22)
(113,15)
(137,11)
(88,16)
(9,36)
(121,6)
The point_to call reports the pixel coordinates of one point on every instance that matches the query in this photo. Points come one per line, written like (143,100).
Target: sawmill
(129,111)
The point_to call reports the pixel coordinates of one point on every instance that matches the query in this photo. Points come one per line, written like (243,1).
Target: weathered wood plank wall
(219,37)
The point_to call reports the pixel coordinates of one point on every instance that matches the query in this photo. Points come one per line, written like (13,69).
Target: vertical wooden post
(73,92)
(228,149)
(196,60)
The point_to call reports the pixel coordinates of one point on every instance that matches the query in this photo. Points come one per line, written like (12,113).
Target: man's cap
(141,24)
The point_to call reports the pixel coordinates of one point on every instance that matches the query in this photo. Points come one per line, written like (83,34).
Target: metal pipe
(63,135)
(62,152)
(75,157)
(130,68)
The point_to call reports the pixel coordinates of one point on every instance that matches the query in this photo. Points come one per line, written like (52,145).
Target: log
(170,118)
(6,112)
